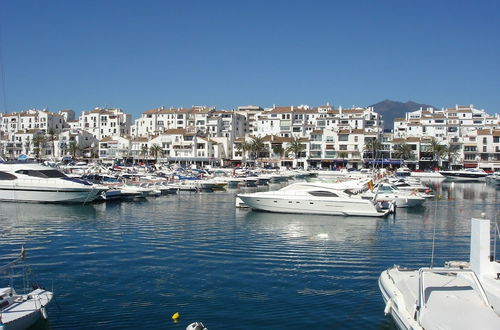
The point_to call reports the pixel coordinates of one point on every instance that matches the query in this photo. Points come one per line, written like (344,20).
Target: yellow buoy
(176,316)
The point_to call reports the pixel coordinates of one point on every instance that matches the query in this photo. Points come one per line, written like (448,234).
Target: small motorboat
(196,326)
(21,311)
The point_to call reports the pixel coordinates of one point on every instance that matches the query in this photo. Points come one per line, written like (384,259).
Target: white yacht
(469,174)
(453,297)
(21,311)
(312,198)
(28,182)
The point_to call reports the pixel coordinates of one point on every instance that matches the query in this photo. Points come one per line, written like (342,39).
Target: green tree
(144,151)
(452,154)
(438,150)
(257,147)
(404,151)
(51,136)
(38,145)
(373,146)
(155,150)
(27,146)
(343,155)
(73,149)
(278,150)
(244,147)
(295,147)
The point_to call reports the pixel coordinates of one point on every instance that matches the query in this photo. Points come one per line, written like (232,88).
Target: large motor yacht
(28,182)
(313,198)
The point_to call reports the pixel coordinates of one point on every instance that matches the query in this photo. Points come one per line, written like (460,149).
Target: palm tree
(438,150)
(257,147)
(373,146)
(27,146)
(295,147)
(38,144)
(155,150)
(244,147)
(343,155)
(278,150)
(404,151)
(73,148)
(144,151)
(452,153)
(51,137)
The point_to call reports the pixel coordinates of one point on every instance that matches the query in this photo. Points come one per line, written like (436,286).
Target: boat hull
(46,195)
(303,206)
(461,176)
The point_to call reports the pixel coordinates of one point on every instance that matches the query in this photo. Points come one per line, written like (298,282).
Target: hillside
(393,109)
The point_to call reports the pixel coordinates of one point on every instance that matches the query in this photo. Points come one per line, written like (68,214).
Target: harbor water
(131,265)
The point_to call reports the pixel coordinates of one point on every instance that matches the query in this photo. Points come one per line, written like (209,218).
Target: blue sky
(138,55)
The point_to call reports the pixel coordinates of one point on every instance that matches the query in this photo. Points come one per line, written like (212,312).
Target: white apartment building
(116,147)
(105,122)
(469,129)
(84,141)
(302,120)
(31,119)
(250,112)
(156,121)
(67,114)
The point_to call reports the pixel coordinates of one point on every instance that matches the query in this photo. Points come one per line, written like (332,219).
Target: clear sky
(138,55)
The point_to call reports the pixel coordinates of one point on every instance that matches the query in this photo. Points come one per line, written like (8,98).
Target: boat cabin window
(7,176)
(386,188)
(43,173)
(323,193)
(53,174)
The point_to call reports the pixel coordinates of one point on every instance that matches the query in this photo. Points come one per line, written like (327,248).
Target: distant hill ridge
(393,109)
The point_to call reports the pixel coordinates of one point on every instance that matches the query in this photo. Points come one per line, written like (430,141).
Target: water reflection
(314,227)
(32,213)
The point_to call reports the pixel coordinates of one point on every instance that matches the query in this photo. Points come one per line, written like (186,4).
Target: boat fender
(388,307)
(44,313)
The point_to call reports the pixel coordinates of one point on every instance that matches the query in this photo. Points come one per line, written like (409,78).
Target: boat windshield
(7,176)
(386,188)
(42,173)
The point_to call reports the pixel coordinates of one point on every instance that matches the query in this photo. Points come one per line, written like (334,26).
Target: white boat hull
(464,175)
(317,206)
(41,195)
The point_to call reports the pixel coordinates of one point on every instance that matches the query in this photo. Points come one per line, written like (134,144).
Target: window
(7,176)
(343,137)
(323,193)
(42,173)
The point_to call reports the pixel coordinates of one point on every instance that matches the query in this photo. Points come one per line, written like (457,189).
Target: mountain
(393,109)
